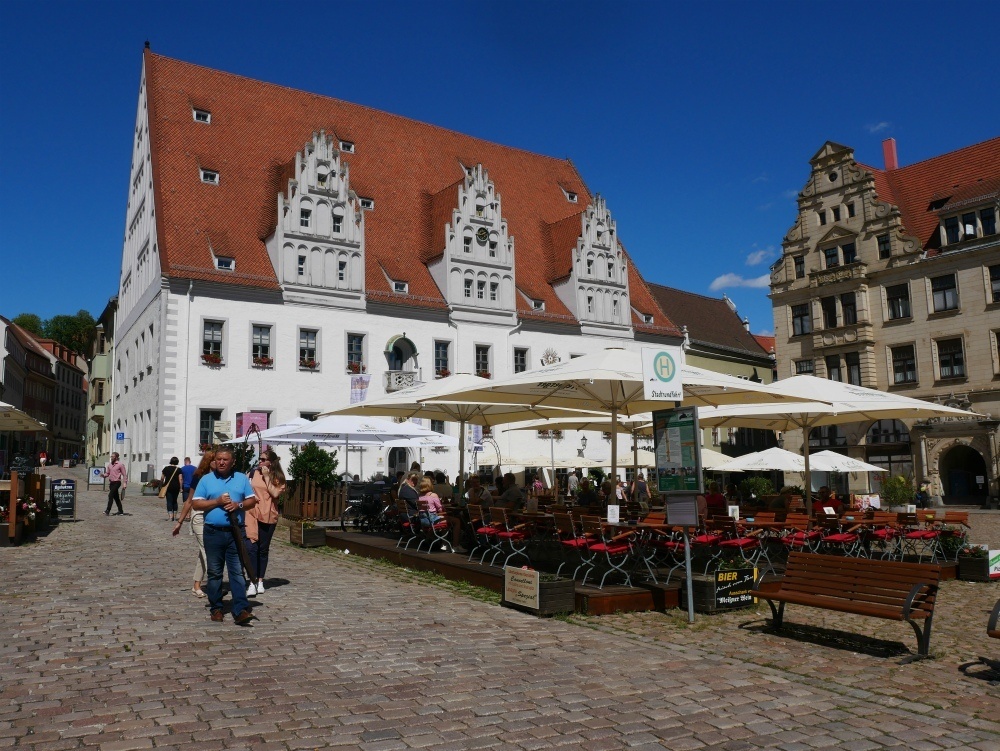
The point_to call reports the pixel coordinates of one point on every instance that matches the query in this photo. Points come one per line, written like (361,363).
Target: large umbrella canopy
(712,459)
(823,402)
(831,461)
(431,401)
(611,382)
(769,459)
(354,429)
(13,419)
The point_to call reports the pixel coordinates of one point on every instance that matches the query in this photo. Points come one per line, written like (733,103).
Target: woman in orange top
(268,483)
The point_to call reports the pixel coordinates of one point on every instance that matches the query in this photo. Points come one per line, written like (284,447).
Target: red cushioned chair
(610,553)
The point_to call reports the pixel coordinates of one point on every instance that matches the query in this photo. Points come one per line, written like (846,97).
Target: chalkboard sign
(64,496)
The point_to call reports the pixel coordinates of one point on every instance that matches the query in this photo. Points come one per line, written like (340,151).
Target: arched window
(825,437)
(887,431)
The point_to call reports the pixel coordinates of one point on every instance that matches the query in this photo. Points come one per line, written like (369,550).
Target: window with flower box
(260,345)
(520,359)
(308,339)
(356,353)
(483,365)
(442,361)
(211,342)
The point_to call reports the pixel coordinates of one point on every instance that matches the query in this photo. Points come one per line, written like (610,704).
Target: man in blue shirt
(219,492)
(187,475)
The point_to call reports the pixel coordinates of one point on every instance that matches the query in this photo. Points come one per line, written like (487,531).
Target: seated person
(477,494)
(827,499)
(435,512)
(442,487)
(408,491)
(779,503)
(586,496)
(511,498)
(715,502)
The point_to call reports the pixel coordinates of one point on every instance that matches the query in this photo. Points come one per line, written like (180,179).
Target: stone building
(69,404)
(890,279)
(98,450)
(286,252)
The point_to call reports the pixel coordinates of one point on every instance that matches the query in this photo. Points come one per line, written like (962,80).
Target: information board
(64,497)
(520,587)
(95,476)
(678,450)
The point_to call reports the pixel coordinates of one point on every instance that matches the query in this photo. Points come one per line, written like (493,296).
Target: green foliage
(313,462)
(897,491)
(30,322)
(757,486)
(597,475)
(791,490)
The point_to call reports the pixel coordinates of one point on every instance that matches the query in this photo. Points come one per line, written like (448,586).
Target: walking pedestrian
(268,482)
(117,476)
(187,475)
(197,519)
(170,481)
(219,493)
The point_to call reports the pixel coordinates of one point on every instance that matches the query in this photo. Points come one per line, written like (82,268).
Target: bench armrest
(917,589)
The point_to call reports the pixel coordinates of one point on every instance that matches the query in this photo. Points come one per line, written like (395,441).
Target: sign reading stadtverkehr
(661,373)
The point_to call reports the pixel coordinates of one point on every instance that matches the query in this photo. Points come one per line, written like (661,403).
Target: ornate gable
(597,289)
(476,271)
(317,248)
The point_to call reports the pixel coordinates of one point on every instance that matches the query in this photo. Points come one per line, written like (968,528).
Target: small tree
(756,486)
(897,491)
(313,462)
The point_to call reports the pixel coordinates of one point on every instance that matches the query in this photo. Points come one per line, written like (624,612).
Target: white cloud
(727,281)
(761,178)
(759,255)
(876,127)
(764,332)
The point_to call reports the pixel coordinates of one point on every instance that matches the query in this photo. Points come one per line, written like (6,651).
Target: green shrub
(313,462)
(756,486)
(897,491)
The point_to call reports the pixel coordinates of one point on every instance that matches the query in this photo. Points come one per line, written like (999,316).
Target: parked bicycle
(365,510)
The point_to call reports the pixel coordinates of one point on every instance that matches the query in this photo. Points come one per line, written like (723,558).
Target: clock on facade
(482,234)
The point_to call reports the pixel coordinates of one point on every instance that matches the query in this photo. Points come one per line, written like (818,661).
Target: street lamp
(583,446)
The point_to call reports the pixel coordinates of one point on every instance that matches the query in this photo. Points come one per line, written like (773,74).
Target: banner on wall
(245,419)
(359,388)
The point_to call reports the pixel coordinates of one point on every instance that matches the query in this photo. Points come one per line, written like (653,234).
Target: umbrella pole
(805,456)
(614,440)
(635,455)
(552,460)
(461,458)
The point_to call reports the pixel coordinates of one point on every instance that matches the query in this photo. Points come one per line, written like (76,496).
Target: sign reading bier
(661,373)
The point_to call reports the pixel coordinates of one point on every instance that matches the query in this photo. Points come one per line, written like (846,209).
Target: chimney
(889,154)
(746,324)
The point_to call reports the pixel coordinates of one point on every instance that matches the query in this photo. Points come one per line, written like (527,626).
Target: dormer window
(209,176)
(969,225)
(538,305)
(571,197)
(400,287)
(347,146)
(223,263)
(201,116)
(368,203)
(647,318)
(305,217)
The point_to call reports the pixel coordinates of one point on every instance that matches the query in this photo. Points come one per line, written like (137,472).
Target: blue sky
(695,120)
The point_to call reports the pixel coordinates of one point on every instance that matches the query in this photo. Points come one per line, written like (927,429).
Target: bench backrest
(860,580)
(797,521)
(956,517)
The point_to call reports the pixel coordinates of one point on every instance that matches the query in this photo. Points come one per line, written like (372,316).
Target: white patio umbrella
(711,459)
(611,382)
(823,402)
(14,420)
(769,459)
(831,461)
(429,400)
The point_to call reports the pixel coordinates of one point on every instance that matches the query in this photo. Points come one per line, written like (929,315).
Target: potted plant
(355,367)
(306,534)
(897,493)
(442,372)
(483,373)
(974,564)
(211,359)
(263,362)
(308,363)
(151,488)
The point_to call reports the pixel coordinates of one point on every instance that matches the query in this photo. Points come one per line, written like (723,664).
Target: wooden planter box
(722,590)
(307,537)
(973,569)
(558,596)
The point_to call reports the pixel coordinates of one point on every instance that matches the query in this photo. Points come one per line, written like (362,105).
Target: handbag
(163,488)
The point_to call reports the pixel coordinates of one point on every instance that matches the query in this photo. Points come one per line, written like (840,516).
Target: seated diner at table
(476,494)
(430,502)
(714,500)
(826,500)
(511,498)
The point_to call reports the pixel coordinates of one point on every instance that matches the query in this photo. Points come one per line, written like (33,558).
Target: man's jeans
(220,550)
(259,551)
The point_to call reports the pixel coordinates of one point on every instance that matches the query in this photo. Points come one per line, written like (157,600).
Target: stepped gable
(401,164)
(708,319)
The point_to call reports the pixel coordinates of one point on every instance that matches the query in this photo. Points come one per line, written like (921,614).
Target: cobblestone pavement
(103,645)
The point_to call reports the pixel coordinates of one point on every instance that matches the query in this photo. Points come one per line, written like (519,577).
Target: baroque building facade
(890,279)
(285,253)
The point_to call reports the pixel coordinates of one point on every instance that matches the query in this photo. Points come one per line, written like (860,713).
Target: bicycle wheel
(350,519)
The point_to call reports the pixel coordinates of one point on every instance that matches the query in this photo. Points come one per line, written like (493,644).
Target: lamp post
(583,447)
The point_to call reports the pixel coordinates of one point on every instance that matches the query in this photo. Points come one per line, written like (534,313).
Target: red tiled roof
(708,319)
(766,342)
(970,172)
(410,169)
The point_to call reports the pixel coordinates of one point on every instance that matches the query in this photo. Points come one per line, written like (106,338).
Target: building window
(898,298)
(988,219)
(212,339)
(480,290)
(305,217)
(202,116)
(520,359)
(853,362)
(801,320)
(951,359)
(483,360)
(951,230)
(887,431)
(261,342)
(904,364)
(442,365)
(356,353)
(210,176)
(803,367)
(302,266)
(611,269)
(969,225)
(468,289)
(571,197)
(307,347)
(437,426)
(206,425)
(467,243)
(614,309)
(829,308)
(849,308)
(590,267)
(309,415)
(347,146)
(995,282)
(945,293)
(341,271)
(850,210)
(800,266)
(836,213)
(338,223)
(832,257)
(833,371)
(368,203)
(850,252)
(225,264)
(884,246)
(538,305)
(590,304)
(821,215)
(400,287)
(494,288)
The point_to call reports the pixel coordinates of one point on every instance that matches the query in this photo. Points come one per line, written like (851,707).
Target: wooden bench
(880,589)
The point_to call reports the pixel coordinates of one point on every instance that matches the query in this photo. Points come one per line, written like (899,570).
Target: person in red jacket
(715,501)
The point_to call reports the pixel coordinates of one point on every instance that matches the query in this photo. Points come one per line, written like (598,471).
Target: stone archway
(963,476)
